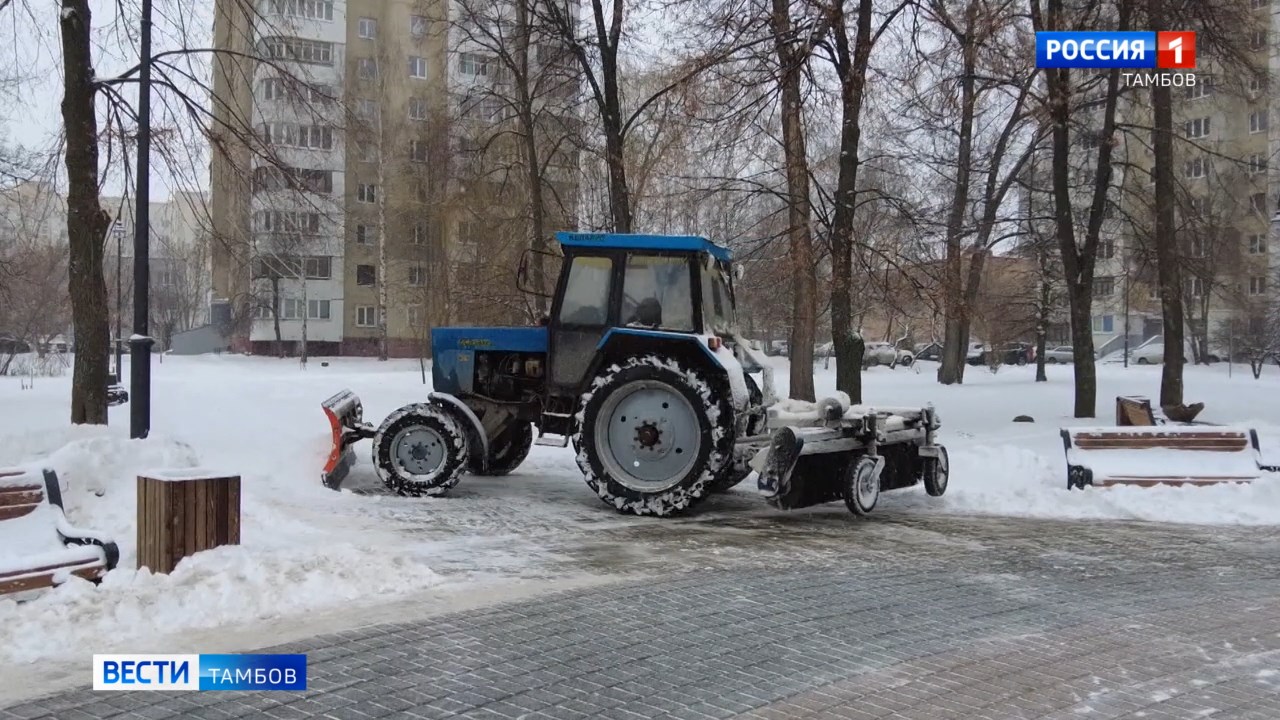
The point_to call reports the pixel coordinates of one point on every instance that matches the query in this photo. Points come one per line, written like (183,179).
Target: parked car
(1015,353)
(1060,354)
(929,351)
(883,353)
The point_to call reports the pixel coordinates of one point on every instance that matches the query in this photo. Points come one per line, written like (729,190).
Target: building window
(366,234)
(1259,203)
(366,316)
(367,152)
(1257,244)
(1104,323)
(309,9)
(1258,121)
(417,109)
(413,314)
(417,67)
(1197,128)
(275,178)
(1106,248)
(366,275)
(1197,168)
(417,151)
(417,275)
(298,50)
(290,309)
(367,68)
(368,28)
(1257,84)
(1202,88)
(1258,39)
(367,193)
(1258,285)
(473,65)
(419,234)
(318,309)
(417,25)
(1258,4)
(1257,164)
(313,137)
(1104,287)
(1197,247)
(286,221)
(318,268)
(1195,287)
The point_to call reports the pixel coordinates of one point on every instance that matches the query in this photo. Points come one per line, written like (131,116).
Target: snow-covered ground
(307,550)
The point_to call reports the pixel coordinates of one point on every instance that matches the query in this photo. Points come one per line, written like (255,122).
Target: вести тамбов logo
(1132,51)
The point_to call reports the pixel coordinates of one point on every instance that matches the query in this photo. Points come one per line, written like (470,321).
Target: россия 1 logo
(1133,50)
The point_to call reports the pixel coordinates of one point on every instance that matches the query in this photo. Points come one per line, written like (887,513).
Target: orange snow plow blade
(347,426)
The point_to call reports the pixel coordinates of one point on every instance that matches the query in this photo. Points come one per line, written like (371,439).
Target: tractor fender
(480,451)
(631,341)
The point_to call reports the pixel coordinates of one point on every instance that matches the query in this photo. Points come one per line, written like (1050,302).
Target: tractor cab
(620,289)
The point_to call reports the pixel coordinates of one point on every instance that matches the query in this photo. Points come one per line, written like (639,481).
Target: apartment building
(371,175)
(1226,182)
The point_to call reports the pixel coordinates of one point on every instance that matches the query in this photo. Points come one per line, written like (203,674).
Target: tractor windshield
(717,299)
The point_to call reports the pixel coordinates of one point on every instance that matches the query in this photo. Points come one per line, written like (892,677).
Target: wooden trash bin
(181,512)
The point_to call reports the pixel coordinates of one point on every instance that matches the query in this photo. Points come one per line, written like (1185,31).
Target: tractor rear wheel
(507,450)
(654,435)
(421,449)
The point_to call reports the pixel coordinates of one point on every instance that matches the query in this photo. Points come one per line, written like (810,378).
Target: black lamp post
(140,343)
(119,233)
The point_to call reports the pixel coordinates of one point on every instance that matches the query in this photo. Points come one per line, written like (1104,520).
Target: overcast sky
(30,48)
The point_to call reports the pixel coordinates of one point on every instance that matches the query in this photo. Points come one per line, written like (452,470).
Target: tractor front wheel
(421,449)
(507,450)
(654,436)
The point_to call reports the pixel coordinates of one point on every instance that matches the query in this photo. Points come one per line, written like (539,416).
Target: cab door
(581,317)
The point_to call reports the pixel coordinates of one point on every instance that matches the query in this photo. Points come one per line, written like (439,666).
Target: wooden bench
(38,547)
(1161,455)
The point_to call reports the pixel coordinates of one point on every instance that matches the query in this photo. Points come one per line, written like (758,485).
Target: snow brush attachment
(346,422)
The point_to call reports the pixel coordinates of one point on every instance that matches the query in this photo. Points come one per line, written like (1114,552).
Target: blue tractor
(639,367)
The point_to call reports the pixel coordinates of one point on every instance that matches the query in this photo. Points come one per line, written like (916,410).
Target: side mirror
(522,272)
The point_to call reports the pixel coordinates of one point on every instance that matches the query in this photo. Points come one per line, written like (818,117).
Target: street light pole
(140,342)
(1126,309)
(119,233)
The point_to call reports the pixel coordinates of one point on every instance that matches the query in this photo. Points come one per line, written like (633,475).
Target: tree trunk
(87,222)
(384,153)
(954,347)
(848,344)
(1042,311)
(306,312)
(533,166)
(611,114)
(1167,257)
(804,277)
(1078,263)
(275,314)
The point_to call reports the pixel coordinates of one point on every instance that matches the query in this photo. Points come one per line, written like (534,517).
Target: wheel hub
(648,435)
(420,450)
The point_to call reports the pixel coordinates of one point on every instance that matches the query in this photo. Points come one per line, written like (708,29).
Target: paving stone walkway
(819,616)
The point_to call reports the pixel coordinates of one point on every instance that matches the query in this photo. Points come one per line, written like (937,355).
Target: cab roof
(633,241)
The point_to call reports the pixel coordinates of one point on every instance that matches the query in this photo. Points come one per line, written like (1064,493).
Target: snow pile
(226,586)
(288,562)
(1011,481)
